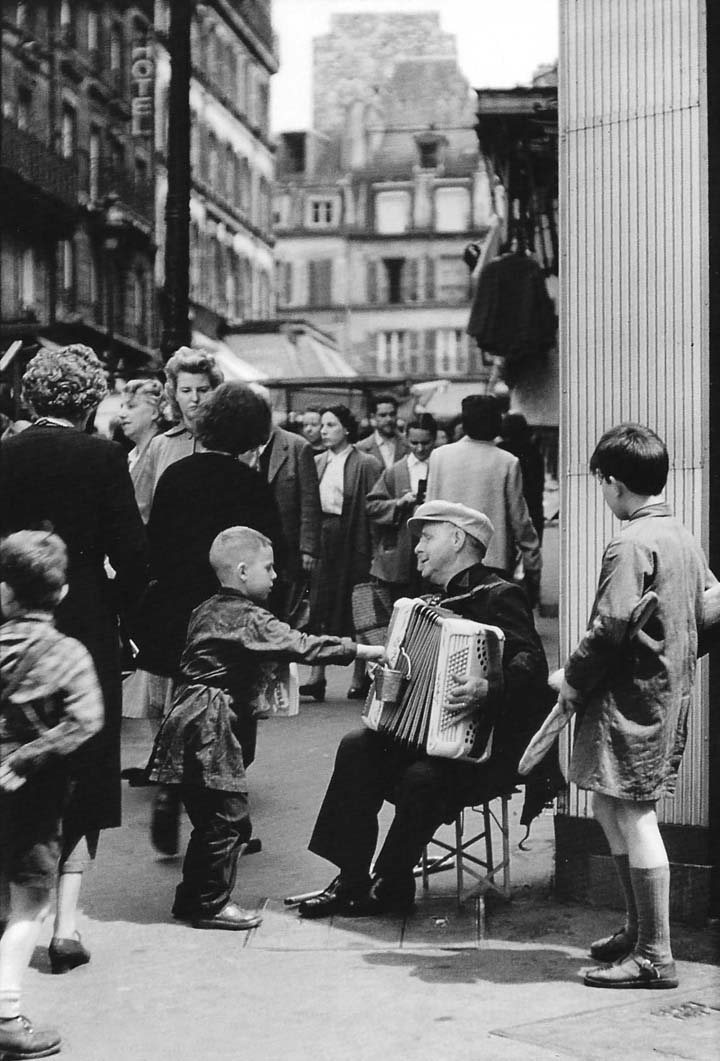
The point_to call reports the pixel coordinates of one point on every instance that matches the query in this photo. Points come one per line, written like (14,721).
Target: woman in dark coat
(196,498)
(346,476)
(54,472)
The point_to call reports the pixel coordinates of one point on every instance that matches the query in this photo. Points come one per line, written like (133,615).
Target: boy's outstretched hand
(9,779)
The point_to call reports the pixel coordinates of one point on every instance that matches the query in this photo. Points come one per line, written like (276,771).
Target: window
(452,209)
(452,279)
(94,156)
(429,155)
(27,279)
(320,282)
(24,109)
(93,38)
(294,144)
(116,51)
(320,212)
(451,350)
(392,212)
(284,283)
(213,161)
(390,353)
(69,131)
(394,272)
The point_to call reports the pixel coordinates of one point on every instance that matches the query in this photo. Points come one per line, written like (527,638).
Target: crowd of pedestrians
(202,556)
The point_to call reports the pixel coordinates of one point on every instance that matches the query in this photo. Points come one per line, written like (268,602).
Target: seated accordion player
(427,648)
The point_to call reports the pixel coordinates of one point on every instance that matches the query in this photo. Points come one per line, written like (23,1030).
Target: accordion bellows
(432,645)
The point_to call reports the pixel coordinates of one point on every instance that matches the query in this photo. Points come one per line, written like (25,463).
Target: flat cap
(474,523)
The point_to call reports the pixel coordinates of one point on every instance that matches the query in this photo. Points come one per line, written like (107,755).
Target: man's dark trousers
(221,824)
(369,769)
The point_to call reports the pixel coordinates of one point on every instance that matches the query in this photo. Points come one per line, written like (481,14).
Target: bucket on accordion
(431,646)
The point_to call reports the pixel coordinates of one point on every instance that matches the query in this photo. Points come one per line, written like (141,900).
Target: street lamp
(176,294)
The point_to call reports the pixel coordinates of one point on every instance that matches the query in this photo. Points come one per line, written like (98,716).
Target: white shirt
(333,482)
(387,449)
(418,470)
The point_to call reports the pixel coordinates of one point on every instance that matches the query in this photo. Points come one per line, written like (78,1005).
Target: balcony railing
(37,164)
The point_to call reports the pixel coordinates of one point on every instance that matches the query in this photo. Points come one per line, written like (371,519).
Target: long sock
(622,866)
(652,896)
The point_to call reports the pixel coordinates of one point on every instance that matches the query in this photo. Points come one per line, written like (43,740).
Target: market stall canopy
(234,368)
(288,350)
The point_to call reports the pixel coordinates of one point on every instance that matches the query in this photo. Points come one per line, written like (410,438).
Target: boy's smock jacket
(49,693)
(632,723)
(227,673)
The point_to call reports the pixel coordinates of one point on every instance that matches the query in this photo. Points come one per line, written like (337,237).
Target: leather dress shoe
(314,689)
(359,692)
(232,917)
(612,948)
(386,896)
(18,1039)
(67,954)
(337,898)
(634,972)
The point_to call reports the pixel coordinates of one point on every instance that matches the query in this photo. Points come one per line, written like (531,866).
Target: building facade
(233,57)
(76,178)
(375,205)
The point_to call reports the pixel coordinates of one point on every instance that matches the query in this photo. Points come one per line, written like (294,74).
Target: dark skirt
(330,614)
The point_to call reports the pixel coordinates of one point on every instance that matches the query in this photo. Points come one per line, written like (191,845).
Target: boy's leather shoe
(338,898)
(634,972)
(231,917)
(67,954)
(612,948)
(19,1040)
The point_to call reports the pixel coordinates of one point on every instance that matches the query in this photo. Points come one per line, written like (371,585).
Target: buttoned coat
(292,477)
(351,565)
(393,551)
(484,477)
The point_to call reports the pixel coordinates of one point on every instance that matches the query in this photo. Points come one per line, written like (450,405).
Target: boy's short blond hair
(34,566)
(236,545)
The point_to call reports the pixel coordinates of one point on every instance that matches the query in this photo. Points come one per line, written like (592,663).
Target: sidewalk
(420,988)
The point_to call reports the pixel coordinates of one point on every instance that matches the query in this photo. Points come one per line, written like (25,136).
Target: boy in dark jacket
(50,704)
(227,680)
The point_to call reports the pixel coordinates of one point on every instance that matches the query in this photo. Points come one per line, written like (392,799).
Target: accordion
(430,646)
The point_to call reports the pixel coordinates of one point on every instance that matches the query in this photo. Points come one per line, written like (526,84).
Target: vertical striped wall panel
(634,298)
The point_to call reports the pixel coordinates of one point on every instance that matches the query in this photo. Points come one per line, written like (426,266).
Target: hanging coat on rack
(512,315)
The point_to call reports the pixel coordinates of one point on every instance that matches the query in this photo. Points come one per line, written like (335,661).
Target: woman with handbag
(346,476)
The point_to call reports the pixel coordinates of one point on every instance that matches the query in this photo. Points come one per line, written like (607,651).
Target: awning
(233,367)
(290,350)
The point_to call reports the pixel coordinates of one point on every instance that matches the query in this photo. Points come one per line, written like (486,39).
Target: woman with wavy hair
(141,420)
(54,473)
(191,377)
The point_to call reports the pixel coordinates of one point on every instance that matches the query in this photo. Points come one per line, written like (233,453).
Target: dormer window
(430,147)
(429,155)
(320,212)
